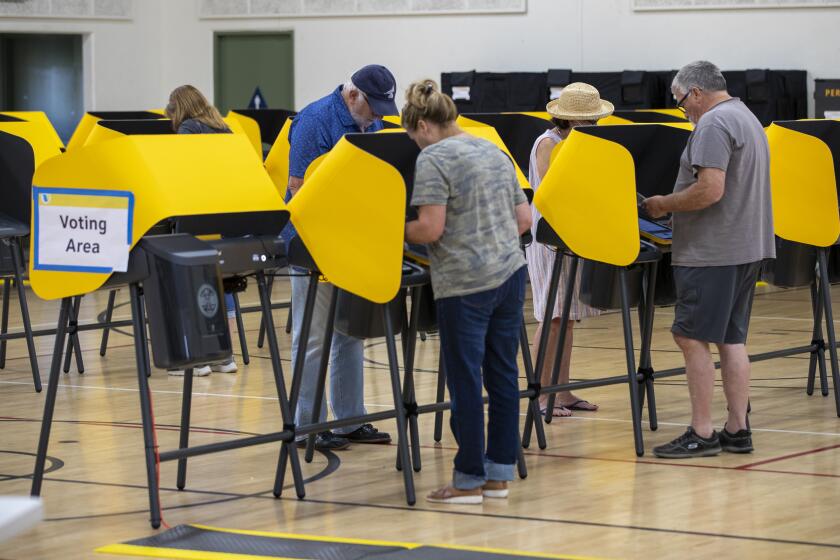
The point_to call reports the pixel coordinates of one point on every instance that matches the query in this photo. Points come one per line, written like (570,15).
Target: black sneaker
(327,441)
(689,445)
(366,433)
(739,442)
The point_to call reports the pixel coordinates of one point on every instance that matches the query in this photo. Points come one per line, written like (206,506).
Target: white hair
(349,86)
(700,74)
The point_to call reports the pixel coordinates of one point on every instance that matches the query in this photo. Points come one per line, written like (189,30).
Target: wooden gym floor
(586,495)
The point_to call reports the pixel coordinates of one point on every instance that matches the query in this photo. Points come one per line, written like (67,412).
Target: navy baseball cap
(379,85)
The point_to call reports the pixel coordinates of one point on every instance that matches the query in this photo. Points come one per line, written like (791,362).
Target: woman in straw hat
(579,104)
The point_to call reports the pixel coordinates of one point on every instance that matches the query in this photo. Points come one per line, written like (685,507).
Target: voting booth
(104,199)
(27,139)
(588,200)
(804,158)
(262,126)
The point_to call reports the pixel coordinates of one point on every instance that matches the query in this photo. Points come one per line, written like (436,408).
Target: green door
(246,61)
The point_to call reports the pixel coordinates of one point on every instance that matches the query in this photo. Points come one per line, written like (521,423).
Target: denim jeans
(346,380)
(230,306)
(479,333)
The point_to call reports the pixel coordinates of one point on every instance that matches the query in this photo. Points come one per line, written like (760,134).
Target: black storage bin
(600,286)
(183,294)
(427,322)
(793,266)
(7,265)
(834,264)
(666,291)
(361,318)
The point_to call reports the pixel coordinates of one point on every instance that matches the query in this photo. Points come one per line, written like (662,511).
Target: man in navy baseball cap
(355,106)
(379,87)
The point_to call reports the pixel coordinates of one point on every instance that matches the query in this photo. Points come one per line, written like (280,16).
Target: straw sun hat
(579,102)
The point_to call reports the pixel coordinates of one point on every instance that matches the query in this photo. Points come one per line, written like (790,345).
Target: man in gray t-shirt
(723,229)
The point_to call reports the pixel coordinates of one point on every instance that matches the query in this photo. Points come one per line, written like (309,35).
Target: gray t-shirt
(479,249)
(737,229)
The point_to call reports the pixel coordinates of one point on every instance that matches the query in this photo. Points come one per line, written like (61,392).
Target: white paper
(554,92)
(82,237)
(461,92)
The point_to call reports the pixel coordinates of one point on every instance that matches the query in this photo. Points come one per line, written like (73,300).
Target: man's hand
(655,206)
(294,185)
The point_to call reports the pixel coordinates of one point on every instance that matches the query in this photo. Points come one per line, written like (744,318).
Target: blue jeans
(230,306)
(479,333)
(346,381)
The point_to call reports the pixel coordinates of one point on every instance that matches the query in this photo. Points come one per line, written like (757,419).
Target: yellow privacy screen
(645,117)
(490,134)
(350,213)
(588,195)
(277,160)
(36,129)
(168,175)
(89,120)
(804,159)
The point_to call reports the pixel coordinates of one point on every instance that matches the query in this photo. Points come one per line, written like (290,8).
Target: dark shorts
(714,302)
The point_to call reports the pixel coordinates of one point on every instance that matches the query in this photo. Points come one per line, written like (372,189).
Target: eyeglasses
(681,101)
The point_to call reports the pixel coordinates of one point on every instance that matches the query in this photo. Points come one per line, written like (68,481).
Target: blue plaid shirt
(314,131)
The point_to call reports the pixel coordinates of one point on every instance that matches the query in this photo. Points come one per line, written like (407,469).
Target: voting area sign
(81,230)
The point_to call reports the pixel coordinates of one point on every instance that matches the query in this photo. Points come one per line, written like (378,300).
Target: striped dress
(541,258)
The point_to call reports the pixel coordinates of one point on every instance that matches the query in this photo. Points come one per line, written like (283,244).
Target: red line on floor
(790,456)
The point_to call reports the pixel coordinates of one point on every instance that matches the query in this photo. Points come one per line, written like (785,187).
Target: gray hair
(349,86)
(701,74)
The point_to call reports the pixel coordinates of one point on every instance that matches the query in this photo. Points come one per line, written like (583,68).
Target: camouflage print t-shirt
(479,249)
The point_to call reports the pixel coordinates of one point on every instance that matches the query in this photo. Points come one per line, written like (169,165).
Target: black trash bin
(794,265)
(600,286)
(666,291)
(834,264)
(361,318)
(183,295)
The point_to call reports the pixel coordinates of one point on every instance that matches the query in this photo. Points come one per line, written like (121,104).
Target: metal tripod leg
(402,443)
(261,336)
(4,320)
(141,352)
(49,402)
(632,378)
(561,340)
(409,342)
(240,327)
(17,260)
(533,416)
(73,344)
(534,403)
(822,254)
(647,308)
(184,440)
(109,313)
(323,366)
(817,358)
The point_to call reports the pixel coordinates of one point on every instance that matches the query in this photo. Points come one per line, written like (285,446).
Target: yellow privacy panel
(169,175)
(82,131)
(350,214)
(277,160)
(100,134)
(588,197)
(393,119)
(803,185)
(489,133)
(247,126)
(36,129)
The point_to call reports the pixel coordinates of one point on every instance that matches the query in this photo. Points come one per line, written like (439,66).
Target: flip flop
(559,407)
(580,404)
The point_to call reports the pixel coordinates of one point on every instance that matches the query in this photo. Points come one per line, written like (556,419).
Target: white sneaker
(229,367)
(202,371)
